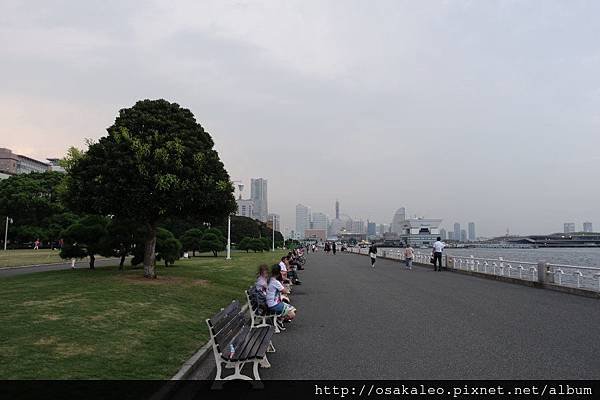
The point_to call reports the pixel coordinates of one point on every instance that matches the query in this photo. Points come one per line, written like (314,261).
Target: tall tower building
(258,194)
(398,219)
(337,209)
(302,220)
(587,227)
(472,236)
(456,231)
(319,221)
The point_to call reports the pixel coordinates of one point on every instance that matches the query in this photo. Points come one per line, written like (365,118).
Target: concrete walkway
(28,269)
(389,323)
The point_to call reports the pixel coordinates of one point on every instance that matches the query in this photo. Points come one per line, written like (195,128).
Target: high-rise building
(357,226)
(245,208)
(258,193)
(337,209)
(587,227)
(302,220)
(398,219)
(456,231)
(443,234)
(472,236)
(463,235)
(319,221)
(569,227)
(383,228)
(274,221)
(371,228)
(450,235)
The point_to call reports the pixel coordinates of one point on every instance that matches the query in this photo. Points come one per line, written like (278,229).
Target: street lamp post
(273,232)
(229,237)
(8,220)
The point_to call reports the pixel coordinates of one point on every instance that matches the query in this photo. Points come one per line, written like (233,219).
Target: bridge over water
(390,323)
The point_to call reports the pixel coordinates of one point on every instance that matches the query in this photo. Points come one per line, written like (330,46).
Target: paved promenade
(29,269)
(389,323)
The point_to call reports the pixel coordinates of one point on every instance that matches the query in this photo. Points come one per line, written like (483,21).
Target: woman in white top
(274,290)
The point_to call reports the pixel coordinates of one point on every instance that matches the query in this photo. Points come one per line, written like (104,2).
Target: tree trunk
(149,252)
(166,263)
(92,260)
(215,253)
(193,253)
(122,262)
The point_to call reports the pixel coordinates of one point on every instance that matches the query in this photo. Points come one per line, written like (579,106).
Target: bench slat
(229,332)
(259,340)
(224,317)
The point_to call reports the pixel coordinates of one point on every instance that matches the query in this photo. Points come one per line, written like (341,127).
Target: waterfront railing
(574,276)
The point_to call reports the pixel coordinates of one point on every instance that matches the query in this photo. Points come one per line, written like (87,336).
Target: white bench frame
(237,365)
(261,320)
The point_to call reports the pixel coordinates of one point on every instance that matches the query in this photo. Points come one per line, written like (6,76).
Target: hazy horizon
(462,110)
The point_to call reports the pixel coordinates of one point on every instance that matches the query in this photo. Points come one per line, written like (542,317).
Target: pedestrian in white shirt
(438,247)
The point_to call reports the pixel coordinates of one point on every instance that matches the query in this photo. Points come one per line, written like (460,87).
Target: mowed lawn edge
(110,324)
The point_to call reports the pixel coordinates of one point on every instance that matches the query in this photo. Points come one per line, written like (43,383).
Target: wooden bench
(260,320)
(230,330)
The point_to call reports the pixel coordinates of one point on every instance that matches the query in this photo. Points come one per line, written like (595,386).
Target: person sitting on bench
(274,291)
(263,279)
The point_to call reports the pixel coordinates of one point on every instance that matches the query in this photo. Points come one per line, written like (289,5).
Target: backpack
(259,301)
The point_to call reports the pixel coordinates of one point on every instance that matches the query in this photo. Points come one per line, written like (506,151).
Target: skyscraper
(569,227)
(258,194)
(357,226)
(398,219)
(472,236)
(456,235)
(443,234)
(587,227)
(463,235)
(337,209)
(319,221)
(302,220)
(371,228)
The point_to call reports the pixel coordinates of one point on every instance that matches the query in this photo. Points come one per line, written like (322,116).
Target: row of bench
(238,340)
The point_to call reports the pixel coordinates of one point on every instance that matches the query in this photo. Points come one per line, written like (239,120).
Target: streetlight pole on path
(8,220)
(229,237)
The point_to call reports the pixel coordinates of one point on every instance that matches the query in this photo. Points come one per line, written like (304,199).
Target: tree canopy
(156,163)
(33,202)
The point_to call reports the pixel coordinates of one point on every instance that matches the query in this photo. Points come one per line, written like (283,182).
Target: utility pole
(8,220)
(229,237)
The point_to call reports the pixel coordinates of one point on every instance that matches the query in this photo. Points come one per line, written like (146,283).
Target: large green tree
(156,163)
(32,201)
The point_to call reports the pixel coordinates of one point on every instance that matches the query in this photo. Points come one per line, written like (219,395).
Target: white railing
(587,278)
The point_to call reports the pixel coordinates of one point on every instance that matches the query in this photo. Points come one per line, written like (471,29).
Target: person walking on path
(36,244)
(409,254)
(438,247)
(333,248)
(373,254)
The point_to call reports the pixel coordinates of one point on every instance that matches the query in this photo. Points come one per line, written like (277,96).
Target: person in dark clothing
(333,248)
(373,254)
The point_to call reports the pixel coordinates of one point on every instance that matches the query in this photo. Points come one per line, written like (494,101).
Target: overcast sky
(484,111)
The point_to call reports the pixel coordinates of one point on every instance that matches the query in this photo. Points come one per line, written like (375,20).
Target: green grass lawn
(106,324)
(16,258)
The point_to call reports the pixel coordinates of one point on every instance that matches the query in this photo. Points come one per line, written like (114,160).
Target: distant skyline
(484,111)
